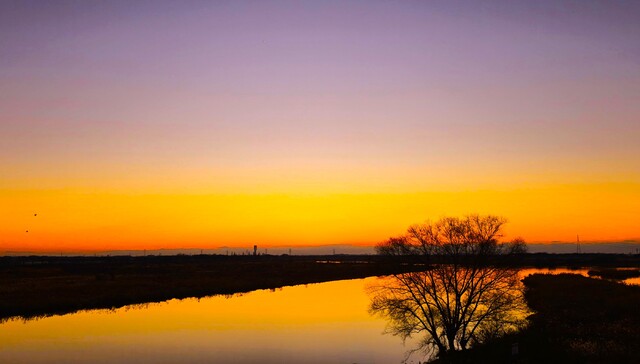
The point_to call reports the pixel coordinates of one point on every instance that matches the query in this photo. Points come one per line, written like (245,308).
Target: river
(316,323)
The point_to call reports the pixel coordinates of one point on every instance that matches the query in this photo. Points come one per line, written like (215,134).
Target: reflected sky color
(163,124)
(319,323)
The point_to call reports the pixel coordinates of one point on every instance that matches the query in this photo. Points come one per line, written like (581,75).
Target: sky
(199,124)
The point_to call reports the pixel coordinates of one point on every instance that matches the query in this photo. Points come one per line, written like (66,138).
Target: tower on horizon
(578,249)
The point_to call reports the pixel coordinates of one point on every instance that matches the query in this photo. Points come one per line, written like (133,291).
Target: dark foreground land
(41,286)
(576,320)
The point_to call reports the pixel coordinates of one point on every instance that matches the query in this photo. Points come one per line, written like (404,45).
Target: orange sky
(76,220)
(152,125)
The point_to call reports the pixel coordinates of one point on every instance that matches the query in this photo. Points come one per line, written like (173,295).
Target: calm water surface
(317,323)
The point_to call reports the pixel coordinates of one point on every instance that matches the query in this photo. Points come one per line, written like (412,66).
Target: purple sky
(202,84)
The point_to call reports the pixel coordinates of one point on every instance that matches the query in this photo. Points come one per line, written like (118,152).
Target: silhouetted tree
(517,246)
(395,246)
(458,304)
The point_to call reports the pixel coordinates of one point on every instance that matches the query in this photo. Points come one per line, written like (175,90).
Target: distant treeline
(523,260)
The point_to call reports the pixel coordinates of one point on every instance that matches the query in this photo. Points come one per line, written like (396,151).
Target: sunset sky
(199,124)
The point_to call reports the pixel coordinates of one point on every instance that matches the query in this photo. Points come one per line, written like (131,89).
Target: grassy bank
(38,286)
(616,274)
(576,320)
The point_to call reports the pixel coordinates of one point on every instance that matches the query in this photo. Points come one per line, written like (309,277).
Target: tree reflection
(456,307)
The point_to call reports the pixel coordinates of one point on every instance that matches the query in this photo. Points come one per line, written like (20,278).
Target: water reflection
(451,308)
(318,323)
(580,271)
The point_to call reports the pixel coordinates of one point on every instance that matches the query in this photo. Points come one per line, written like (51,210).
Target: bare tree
(395,246)
(462,302)
(517,246)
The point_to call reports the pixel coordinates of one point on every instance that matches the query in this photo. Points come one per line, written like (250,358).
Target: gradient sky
(154,124)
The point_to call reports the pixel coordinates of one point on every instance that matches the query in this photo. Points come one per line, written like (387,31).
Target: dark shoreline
(575,319)
(33,287)
(36,286)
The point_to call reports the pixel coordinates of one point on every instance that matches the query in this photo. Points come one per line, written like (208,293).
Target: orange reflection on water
(319,323)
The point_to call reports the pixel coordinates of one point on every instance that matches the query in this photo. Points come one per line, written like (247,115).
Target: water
(583,272)
(316,323)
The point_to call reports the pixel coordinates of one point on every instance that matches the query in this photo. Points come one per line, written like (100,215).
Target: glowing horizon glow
(99,221)
(198,125)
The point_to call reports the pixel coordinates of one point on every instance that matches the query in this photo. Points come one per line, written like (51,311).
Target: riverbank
(42,286)
(576,320)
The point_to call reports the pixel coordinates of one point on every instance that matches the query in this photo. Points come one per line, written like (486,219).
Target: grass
(576,320)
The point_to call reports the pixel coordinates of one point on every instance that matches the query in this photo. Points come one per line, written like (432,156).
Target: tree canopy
(472,235)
